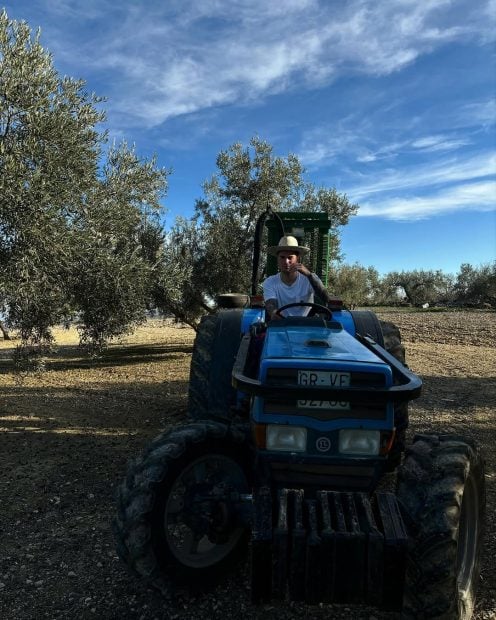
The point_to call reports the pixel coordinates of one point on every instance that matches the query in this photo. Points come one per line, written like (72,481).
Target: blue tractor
(294,425)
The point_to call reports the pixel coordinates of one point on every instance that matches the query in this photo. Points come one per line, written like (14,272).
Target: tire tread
(137,495)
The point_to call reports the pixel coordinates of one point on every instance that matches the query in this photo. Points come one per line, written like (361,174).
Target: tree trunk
(4,331)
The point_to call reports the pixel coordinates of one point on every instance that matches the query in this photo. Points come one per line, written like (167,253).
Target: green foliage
(119,244)
(472,286)
(110,294)
(418,286)
(179,287)
(354,284)
(212,253)
(77,230)
(476,285)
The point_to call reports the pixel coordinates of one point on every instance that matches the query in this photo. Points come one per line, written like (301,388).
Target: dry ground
(66,434)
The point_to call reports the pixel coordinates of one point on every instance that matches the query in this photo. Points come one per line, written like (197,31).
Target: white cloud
(362,139)
(168,59)
(482,112)
(367,158)
(72,9)
(455,170)
(419,192)
(467,197)
(439,143)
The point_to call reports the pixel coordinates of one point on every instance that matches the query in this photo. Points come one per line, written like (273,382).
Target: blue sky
(391,102)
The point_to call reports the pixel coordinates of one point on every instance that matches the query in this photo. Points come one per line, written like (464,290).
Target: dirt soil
(66,434)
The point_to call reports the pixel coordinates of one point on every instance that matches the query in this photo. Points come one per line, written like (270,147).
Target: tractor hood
(315,343)
(293,347)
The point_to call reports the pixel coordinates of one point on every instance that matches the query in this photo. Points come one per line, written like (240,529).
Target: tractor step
(336,547)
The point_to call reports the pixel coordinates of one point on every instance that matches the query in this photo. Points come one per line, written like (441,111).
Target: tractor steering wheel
(315,309)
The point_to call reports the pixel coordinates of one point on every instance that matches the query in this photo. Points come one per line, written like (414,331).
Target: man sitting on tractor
(294,283)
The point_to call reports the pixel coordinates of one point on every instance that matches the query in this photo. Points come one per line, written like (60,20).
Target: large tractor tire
(440,488)
(388,336)
(367,324)
(211,395)
(383,332)
(176,523)
(392,340)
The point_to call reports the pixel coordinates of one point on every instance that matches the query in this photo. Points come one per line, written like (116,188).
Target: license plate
(335,405)
(324,378)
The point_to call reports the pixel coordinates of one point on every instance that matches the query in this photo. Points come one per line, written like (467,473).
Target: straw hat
(288,244)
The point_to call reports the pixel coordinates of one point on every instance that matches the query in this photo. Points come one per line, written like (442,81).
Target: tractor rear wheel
(392,340)
(384,333)
(210,394)
(176,521)
(440,488)
(367,324)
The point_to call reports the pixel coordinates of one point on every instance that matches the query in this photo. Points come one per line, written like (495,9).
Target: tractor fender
(366,323)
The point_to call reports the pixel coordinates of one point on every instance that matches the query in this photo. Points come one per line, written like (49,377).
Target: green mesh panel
(311,230)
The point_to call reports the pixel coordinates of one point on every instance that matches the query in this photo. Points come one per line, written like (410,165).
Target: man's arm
(318,288)
(331,301)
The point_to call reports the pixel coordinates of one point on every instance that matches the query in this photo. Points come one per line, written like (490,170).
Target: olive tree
(213,250)
(476,285)
(419,286)
(179,289)
(73,216)
(354,284)
(119,245)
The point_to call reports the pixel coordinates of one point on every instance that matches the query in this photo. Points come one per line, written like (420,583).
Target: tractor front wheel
(177,520)
(441,491)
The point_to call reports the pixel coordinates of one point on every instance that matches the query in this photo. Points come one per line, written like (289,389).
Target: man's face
(287,260)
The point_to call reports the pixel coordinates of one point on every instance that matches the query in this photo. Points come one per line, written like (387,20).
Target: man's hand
(301,268)
(271,309)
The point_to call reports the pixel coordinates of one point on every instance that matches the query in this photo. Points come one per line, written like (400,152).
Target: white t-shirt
(300,291)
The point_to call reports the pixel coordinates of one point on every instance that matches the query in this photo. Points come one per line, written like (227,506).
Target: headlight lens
(358,441)
(286,438)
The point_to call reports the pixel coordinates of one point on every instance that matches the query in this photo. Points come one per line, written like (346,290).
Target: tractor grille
(356,411)
(365,410)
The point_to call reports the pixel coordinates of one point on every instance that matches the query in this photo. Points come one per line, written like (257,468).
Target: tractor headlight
(286,438)
(359,441)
